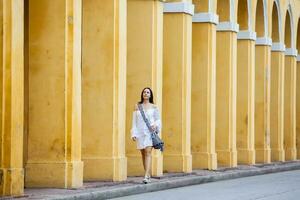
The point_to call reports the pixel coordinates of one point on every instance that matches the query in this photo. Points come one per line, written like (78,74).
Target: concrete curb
(179,182)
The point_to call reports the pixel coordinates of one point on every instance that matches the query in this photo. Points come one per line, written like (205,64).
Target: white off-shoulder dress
(140,129)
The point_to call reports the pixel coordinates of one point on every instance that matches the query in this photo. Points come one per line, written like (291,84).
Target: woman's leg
(148,151)
(143,158)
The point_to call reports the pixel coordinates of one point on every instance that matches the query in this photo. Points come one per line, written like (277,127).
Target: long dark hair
(151,97)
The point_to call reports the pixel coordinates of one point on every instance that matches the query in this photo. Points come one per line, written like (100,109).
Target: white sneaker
(146,180)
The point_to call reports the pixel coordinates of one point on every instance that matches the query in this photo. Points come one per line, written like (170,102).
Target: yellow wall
(124,45)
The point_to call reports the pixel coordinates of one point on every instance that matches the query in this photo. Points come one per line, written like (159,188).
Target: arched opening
(287,31)
(201,5)
(223,10)
(260,21)
(243,15)
(275,23)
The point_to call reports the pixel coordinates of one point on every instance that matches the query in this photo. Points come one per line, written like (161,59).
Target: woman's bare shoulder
(154,106)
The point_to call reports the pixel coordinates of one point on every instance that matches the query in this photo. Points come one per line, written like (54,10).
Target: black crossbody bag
(156,141)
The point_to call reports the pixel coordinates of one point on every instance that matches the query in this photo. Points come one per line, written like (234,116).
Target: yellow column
(12,97)
(104,90)
(226,93)
(245,97)
(298,108)
(277,104)
(54,136)
(262,100)
(177,86)
(290,104)
(144,68)
(203,103)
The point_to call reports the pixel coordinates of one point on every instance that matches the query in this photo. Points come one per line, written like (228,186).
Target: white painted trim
(266,41)
(228,26)
(232,11)
(298,58)
(291,52)
(266,21)
(278,46)
(206,17)
(246,35)
(179,7)
(249,6)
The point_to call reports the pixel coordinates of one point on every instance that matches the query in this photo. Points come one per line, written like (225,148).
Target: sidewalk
(134,185)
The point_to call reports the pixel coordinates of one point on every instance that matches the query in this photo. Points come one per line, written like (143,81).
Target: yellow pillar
(245,97)
(144,68)
(104,90)
(226,94)
(203,103)
(277,104)
(54,136)
(177,86)
(298,108)
(290,104)
(12,97)
(262,100)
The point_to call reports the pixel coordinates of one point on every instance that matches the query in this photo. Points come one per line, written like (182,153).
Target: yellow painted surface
(298,111)
(277,106)
(203,96)
(12,97)
(144,69)
(54,135)
(262,103)
(226,98)
(176,113)
(245,101)
(290,108)
(199,113)
(104,90)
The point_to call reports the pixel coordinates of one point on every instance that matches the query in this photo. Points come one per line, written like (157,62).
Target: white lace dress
(140,129)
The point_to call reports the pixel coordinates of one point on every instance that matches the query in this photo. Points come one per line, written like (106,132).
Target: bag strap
(144,117)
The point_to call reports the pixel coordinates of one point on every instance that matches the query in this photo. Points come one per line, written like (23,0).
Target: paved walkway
(134,185)
(276,186)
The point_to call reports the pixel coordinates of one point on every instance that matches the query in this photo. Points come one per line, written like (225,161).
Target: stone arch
(298,36)
(243,15)
(224,10)
(261,19)
(276,22)
(289,29)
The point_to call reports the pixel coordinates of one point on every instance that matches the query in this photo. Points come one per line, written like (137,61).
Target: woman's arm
(157,120)
(134,130)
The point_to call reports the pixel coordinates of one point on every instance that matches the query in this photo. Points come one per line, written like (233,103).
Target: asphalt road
(278,186)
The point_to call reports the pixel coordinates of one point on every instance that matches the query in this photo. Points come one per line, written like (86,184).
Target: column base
(120,169)
(263,155)
(12,182)
(54,174)
(96,169)
(298,154)
(277,155)
(290,154)
(178,163)
(135,165)
(204,160)
(246,156)
(157,164)
(227,158)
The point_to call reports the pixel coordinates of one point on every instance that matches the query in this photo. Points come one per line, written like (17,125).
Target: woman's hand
(154,128)
(134,139)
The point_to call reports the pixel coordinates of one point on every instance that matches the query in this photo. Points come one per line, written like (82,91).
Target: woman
(140,133)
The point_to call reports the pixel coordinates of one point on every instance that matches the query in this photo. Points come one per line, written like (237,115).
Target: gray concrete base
(168,181)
